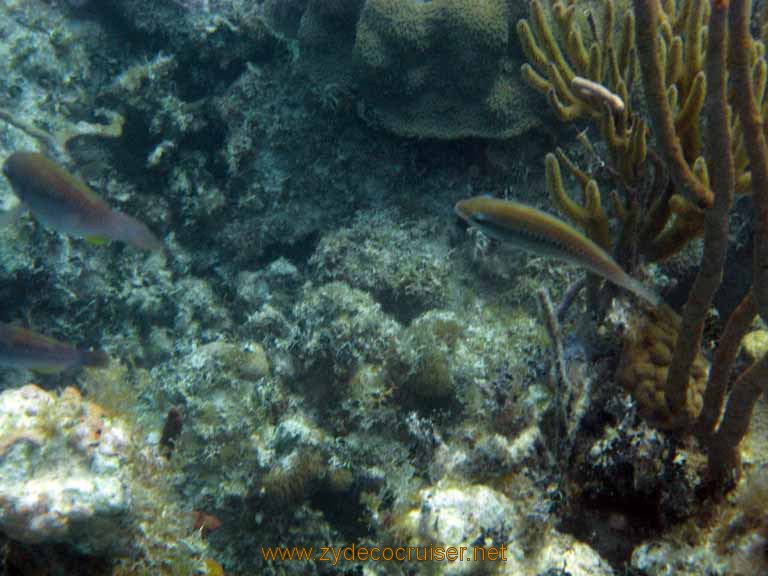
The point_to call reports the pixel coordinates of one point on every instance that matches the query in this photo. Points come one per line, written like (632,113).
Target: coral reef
(735,543)
(644,368)
(72,474)
(469,85)
(680,79)
(218,34)
(412,269)
(79,496)
(652,217)
(477,517)
(321,358)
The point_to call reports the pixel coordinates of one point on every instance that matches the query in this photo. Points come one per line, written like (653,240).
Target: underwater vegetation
(320,353)
(683,84)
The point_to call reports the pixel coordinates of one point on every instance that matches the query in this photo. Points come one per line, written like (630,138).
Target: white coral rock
(61,467)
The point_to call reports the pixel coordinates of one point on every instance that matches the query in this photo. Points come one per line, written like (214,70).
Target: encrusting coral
(644,367)
(683,51)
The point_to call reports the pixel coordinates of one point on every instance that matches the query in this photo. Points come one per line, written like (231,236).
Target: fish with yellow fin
(540,233)
(63,202)
(29,350)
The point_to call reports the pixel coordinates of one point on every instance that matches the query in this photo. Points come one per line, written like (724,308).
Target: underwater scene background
(247,329)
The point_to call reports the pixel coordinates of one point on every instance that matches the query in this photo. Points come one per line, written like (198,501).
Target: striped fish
(61,201)
(22,348)
(540,233)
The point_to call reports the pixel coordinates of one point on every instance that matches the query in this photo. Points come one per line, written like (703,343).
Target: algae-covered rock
(250,362)
(225,391)
(444,357)
(430,350)
(339,329)
(734,545)
(444,69)
(217,33)
(398,261)
(62,471)
(295,458)
(492,529)
(71,474)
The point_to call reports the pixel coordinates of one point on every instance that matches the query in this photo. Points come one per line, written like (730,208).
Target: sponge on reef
(645,363)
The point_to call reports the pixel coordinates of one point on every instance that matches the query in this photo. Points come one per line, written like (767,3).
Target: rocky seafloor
(322,357)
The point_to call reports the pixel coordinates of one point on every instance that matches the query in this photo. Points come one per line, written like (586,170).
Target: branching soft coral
(697,59)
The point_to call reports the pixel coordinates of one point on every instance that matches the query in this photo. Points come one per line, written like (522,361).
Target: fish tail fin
(94,358)
(129,230)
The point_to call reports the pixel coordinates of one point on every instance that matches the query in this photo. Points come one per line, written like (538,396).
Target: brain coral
(445,68)
(645,364)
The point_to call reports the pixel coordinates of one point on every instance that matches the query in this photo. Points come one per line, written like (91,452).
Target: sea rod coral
(676,187)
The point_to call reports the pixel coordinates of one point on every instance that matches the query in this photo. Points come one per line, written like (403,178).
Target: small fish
(206,522)
(59,200)
(174,423)
(540,233)
(22,348)
(592,91)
